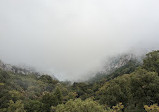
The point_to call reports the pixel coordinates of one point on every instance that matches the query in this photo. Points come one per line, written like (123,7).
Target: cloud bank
(69,38)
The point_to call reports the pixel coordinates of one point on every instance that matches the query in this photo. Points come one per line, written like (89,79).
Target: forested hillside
(133,87)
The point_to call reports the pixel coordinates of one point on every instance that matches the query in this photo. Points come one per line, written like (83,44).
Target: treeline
(131,88)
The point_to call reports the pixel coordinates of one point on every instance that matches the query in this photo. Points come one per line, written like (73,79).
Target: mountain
(116,66)
(21,70)
(14,69)
(128,85)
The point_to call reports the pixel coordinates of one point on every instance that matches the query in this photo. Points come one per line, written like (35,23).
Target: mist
(71,38)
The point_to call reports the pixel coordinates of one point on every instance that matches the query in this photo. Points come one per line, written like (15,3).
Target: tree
(151,61)
(72,95)
(48,100)
(152,108)
(18,106)
(58,95)
(47,79)
(33,106)
(80,106)
(115,91)
(4,76)
(15,95)
(1,84)
(145,87)
(118,107)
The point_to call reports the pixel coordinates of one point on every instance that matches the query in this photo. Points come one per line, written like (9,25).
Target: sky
(71,38)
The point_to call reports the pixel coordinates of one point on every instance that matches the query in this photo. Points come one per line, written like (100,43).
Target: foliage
(58,95)
(1,84)
(115,91)
(48,100)
(151,61)
(152,108)
(135,85)
(145,87)
(118,107)
(128,68)
(33,106)
(80,106)
(18,106)
(47,79)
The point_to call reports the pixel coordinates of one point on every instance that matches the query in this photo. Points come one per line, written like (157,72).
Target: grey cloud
(71,37)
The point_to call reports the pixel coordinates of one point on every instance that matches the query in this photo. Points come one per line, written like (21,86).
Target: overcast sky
(70,38)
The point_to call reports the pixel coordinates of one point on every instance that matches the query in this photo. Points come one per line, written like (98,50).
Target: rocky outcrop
(117,62)
(21,70)
(15,69)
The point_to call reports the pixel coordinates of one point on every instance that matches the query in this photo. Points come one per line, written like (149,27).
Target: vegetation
(78,105)
(130,88)
(152,108)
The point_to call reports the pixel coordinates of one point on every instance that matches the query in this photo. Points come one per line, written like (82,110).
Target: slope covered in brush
(131,87)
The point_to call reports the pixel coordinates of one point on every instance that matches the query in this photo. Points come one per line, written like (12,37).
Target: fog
(71,38)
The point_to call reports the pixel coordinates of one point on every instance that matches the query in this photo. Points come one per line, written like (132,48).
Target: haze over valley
(70,39)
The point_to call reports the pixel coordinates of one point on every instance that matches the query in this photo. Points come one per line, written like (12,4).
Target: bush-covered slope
(129,88)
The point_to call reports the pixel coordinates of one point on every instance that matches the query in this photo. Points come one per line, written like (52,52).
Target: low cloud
(71,38)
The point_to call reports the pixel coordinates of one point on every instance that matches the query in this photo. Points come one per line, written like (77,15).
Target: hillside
(21,70)
(117,66)
(128,86)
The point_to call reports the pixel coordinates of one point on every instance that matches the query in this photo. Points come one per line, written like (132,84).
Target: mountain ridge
(21,70)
